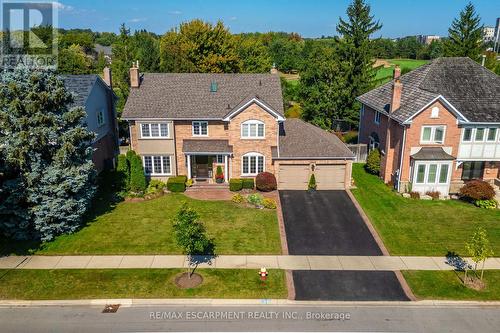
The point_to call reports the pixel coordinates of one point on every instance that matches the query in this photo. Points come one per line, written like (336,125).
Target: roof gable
(247,102)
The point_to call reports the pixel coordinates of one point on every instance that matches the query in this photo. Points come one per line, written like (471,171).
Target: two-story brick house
(189,124)
(437,126)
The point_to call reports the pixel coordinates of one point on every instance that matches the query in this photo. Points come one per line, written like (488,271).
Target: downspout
(401,157)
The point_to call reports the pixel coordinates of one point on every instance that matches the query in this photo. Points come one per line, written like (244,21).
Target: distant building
(496,46)
(105,50)
(488,34)
(427,39)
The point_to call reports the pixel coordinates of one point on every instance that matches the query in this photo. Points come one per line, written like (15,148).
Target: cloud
(233,18)
(62,7)
(137,19)
(175,12)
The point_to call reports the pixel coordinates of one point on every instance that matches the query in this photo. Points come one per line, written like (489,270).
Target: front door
(202,166)
(432,176)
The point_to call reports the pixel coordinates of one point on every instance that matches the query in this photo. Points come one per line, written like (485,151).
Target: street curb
(128,302)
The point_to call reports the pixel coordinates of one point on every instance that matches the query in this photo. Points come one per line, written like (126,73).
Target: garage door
(330,177)
(293,177)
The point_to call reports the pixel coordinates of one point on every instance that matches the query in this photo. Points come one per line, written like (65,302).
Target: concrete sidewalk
(369,263)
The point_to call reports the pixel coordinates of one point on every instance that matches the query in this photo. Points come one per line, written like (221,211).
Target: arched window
(252,129)
(252,164)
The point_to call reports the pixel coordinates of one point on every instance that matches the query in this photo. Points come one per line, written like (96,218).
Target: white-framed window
(220,159)
(100,118)
(432,134)
(435,112)
(252,129)
(432,173)
(479,136)
(200,128)
(467,135)
(157,165)
(154,130)
(252,164)
(492,134)
(377,117)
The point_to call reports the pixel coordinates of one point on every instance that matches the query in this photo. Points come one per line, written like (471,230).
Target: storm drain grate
(111,308)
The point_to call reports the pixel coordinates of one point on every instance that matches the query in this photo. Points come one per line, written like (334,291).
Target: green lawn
(137,283)
(447,285)
(384,74)
(418,227)
(146,228)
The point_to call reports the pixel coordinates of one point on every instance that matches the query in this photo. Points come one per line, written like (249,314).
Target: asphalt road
(325,223)
(252,318)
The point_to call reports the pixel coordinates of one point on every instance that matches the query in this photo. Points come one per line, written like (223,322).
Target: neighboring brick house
(97,98)
(437,126)
(188,124)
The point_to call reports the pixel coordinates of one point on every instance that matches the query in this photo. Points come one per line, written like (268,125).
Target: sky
(310,18)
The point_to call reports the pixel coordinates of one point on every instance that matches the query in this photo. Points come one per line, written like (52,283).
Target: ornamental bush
(256,199)
(312,182)
(219,175)
(248,183)
(155,186)
(488,204)
(373,162)
(123,172)
(238,198)
(235,184)
(265,182)
(433,194)
(137,177)
(269,203)
(477,190)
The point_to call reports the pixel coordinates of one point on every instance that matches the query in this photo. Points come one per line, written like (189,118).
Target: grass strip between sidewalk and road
(137,283)
(447,285)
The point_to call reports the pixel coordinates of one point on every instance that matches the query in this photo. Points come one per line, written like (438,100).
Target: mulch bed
(183,281)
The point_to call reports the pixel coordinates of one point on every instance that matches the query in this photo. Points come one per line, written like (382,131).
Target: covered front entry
(203,157)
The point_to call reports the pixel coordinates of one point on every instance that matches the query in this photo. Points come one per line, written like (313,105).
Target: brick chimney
(107,77)
(397,89)
(135,79)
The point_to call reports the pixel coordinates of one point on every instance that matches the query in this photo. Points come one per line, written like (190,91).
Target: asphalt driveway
(325,223)
(347,286)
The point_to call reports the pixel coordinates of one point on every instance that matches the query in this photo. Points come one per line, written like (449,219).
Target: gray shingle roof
(206,146)
(80,86)
(188,95)
(300,139)
(433,154)
(472,89)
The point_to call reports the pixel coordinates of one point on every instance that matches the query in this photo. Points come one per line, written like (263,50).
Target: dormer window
(252,129)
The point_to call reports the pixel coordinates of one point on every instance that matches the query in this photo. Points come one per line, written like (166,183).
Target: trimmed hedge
(248,183)
(177,184)
(235,184)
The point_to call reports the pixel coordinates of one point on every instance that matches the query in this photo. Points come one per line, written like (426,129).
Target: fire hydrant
(263,274)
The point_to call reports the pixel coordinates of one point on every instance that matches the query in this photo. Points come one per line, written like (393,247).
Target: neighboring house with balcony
(96,97)
(437,126)
(189,124)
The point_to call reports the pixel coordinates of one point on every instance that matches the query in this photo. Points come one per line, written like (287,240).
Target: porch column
(188,166)
(225,169)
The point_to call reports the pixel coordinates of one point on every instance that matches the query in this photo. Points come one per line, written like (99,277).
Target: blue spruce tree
(46,172)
